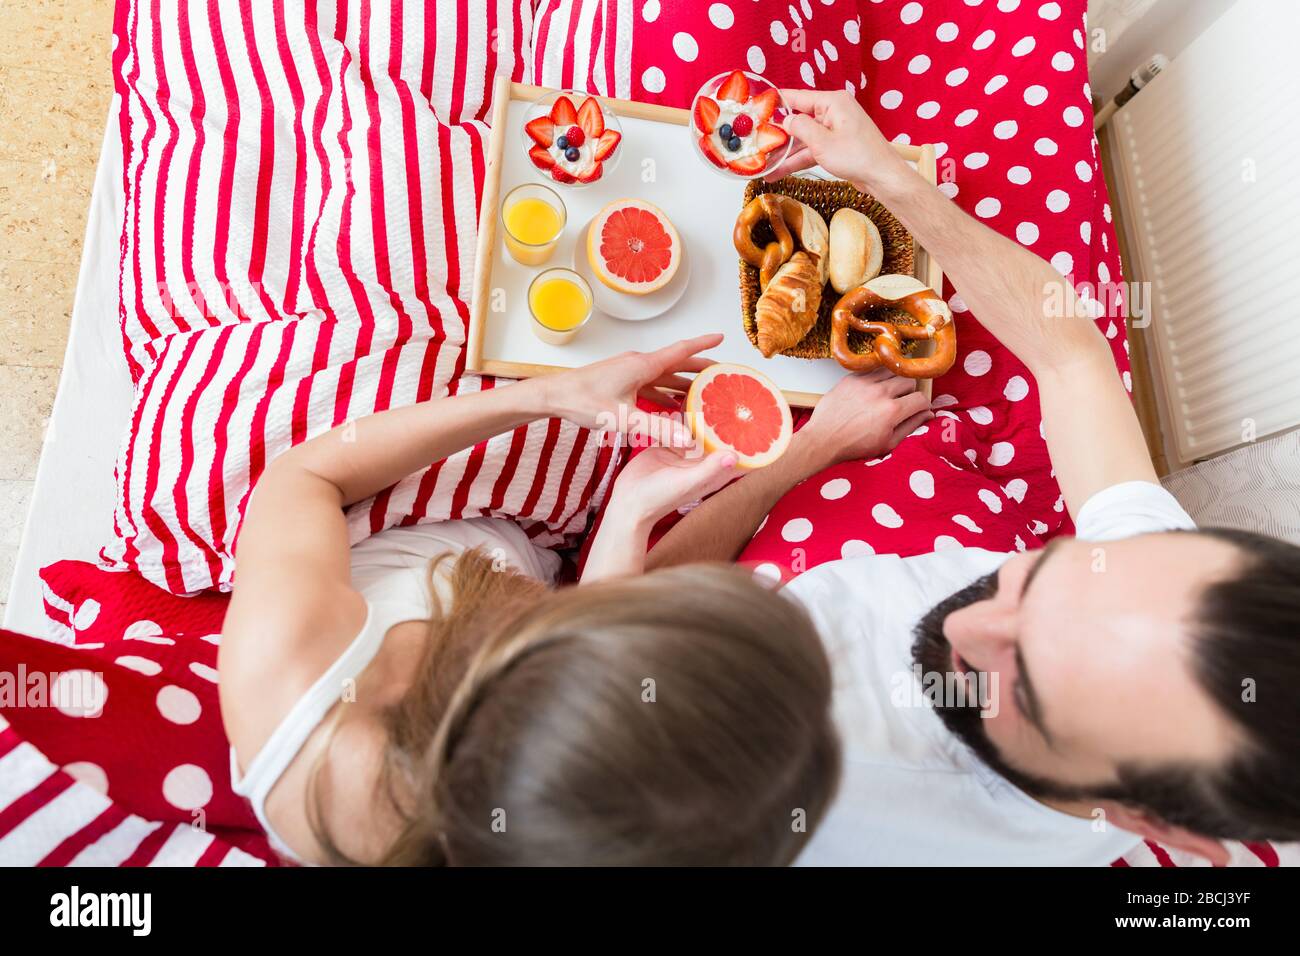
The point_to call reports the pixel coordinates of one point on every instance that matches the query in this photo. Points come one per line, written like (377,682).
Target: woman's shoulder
(271,656)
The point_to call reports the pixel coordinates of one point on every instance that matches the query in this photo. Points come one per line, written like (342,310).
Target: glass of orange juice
(560,303)
(533,217)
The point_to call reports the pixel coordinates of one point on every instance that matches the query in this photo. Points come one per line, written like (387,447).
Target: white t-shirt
(911,793)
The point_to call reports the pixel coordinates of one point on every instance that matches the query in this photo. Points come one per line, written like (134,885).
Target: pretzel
(895,292)
(794,225)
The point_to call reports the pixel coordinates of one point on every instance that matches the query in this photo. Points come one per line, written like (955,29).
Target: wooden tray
(660,166)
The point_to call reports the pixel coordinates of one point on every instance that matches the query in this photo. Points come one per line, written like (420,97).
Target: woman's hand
(837,134)
(863,417)
(660,480)
(603,395)
(652,484)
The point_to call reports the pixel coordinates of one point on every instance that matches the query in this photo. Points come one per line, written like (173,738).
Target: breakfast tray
(659,165)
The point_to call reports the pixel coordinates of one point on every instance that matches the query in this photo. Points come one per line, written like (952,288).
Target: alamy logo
(74,908)
(922,688)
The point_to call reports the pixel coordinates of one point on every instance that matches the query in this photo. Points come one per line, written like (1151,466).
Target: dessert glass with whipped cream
(736,124)
(572,138)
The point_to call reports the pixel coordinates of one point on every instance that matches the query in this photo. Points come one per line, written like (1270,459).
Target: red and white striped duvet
(302,185)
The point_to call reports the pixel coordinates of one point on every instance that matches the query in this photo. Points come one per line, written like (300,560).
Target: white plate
(631,308)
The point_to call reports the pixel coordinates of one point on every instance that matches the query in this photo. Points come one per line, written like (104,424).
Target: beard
(933,653)
(1179,794)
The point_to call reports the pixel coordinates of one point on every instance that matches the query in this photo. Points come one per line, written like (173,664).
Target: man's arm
(1092,432)
(862,417)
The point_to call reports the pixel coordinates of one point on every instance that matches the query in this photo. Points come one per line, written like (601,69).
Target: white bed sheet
(71,511)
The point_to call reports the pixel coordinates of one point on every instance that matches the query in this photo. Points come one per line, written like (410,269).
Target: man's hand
(863,417)
(835,133)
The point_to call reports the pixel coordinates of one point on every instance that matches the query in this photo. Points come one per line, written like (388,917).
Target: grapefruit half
(632,247)
(731,407)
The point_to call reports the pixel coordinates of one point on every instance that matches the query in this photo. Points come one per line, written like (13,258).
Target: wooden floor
(55,87)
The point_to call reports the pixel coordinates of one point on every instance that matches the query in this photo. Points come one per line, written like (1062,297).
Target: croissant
(788,306)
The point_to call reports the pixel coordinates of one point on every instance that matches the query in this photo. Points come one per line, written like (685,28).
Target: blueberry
(725,131)
(572,154)
(733,144)
(562,142)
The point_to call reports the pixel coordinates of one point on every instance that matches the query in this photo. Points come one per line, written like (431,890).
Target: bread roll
(814,237)
(857,252)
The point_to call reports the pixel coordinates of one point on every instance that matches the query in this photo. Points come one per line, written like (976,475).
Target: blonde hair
(682,717)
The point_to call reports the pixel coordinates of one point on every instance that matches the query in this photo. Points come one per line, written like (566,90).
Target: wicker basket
(826,197)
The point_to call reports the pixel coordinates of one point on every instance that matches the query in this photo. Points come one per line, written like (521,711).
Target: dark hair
(1246,657)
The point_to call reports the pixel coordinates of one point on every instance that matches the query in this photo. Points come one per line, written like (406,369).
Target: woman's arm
(293,582)
(293,605)
(292,550)
(862,417)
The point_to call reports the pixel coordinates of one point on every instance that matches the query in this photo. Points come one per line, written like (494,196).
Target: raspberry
(575,135)
(742,125)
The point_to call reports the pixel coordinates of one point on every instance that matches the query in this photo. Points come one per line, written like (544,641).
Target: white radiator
(1208,168)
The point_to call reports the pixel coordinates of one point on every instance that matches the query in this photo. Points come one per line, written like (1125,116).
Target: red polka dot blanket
(1001,89)
(111,743)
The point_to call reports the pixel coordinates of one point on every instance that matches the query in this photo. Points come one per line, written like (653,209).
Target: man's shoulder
(895,582)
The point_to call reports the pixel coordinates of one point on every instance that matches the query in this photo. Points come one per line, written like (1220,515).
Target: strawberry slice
(591,173)
(770,137)
(590,118)
(710,151)
(748,167)
(605,145)
(735,87)
(706,114)
(563,113)
(561,175)
(765,104)
(541,129)
(541,157)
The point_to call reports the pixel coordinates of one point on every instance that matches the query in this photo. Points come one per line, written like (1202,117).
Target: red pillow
(158,747)
(134,715)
